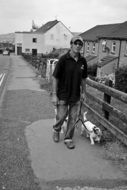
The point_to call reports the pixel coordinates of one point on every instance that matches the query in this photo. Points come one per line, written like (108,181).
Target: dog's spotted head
(98,133)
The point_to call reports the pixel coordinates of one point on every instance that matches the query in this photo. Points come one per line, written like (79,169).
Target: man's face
(76,46)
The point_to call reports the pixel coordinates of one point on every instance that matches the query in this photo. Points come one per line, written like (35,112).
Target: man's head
(76,44)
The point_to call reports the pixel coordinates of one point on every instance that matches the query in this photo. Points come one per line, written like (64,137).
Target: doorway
(19,50)
(34,52)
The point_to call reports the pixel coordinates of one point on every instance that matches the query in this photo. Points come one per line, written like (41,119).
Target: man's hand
(54,99)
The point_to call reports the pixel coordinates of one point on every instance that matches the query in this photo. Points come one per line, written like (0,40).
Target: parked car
(6,52)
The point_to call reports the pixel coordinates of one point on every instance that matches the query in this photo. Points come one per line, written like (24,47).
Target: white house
(52,35)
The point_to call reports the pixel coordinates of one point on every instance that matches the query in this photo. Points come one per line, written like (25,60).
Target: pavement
(53,163)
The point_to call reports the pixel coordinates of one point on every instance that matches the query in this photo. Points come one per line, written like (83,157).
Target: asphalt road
(4,63)
(53,164)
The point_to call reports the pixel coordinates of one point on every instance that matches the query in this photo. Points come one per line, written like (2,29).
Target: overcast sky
(77,15)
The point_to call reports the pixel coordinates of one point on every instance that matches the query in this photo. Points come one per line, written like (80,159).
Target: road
(53,164)
(4,68)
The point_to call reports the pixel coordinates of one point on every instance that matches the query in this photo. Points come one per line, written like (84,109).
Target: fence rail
(108,109)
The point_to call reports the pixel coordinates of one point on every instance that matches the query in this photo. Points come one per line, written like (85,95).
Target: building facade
(106,46)
(52,35)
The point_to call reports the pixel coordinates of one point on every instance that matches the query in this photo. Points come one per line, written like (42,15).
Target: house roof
(105,60)
(90,57)
(46,27)
(99,30)
(120,32)
(114,31)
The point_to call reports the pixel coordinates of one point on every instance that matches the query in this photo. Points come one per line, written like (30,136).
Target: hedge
(121,79)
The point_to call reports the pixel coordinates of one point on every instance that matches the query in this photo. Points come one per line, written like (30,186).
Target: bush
(121,79)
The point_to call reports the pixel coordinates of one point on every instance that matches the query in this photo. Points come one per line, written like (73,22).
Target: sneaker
(56,136)
(69,143)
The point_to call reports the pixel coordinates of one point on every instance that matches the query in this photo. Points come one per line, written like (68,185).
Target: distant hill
(76,33)
(7,37)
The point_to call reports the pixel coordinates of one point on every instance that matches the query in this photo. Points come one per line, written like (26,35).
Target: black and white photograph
(63,95)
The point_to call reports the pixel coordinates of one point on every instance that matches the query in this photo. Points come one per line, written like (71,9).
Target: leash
(79,118)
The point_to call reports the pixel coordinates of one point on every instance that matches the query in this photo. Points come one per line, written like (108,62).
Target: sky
(76,15)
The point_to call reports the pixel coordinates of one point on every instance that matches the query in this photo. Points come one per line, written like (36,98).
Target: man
(69,85)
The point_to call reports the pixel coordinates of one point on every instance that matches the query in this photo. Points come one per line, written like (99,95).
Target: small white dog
(92,131)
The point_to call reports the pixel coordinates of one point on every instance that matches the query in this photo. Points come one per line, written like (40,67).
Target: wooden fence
(107,109)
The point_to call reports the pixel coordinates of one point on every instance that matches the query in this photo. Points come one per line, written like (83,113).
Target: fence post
(107,98)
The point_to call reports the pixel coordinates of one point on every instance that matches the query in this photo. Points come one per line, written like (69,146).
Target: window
(27,50)
(88,47)
(19,44)
(126,49)
(113,47)
(34,40)
(93,49)
(104,45)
